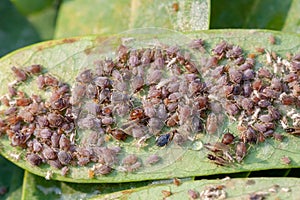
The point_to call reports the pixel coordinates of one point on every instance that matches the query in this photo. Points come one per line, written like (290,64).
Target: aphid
(34,159)
(153,159)
(50,81)
(102,82)
(19,73)
(137,83)
(129,160)
(122,53)
(49,153)
(34,69)
(197,44)
(154,76)
(65,170)
(286,160)
(54,120)
(119,134)
(146,57)
(227,138)
(235,76)
(176,181)
(166,193)
(175,7)
(241,151)
(137,113)
(164,139)
(272,39)
(55,163)
(64,157)
(133,60)
(64,142)
(193,194)
(102,170)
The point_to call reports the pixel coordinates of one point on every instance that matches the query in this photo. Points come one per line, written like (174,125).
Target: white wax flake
(48,175)
(171,62)
(268,56)
(15,156)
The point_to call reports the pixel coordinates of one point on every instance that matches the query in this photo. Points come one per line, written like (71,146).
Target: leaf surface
(65,58)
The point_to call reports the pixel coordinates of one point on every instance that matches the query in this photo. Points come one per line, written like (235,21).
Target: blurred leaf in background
(292,23)
(264,14)
(26,22)
(11,179)
(82,17)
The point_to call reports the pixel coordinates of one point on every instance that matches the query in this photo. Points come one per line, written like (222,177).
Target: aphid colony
(152,93)
(259,100)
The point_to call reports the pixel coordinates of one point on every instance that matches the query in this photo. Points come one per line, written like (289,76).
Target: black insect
(164,139)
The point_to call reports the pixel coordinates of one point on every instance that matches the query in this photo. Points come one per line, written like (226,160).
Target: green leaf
(270,188)
(30,6)
(65,58)
(38,188)
(82,17)
(267,14)
(292,21)
(15,32)
(11,179)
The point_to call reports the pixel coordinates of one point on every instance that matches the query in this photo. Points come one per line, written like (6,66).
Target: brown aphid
(235,76)
(153,159)
(64,142)
(286,160)
(25,115)
(227,138)
(119,134)
(34,69)
(49,153)
(102,170)
(134,167)
(166,193)
(3,190)
(264,73)
(34,159)
(65,170)
(278,136)
(5,101)
(54,120)
(23,102)
(19,73)
(137,113)
(175,7)
(176,181)
(129,160)
(272,39)
(260,49)
(50,81)
(173,120)
(85,76)
(64,157)
(55,163)
(241,151)
(12,91)
(193,194)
